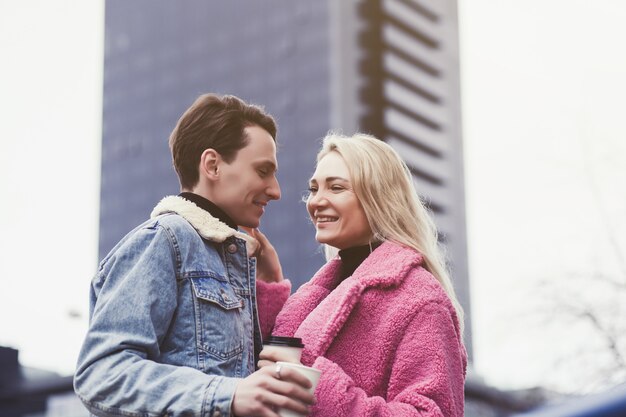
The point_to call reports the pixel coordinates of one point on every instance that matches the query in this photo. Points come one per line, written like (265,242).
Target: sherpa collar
(206,225)
(386,266)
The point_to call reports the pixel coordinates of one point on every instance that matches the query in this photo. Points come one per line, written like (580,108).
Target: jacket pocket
(219,326)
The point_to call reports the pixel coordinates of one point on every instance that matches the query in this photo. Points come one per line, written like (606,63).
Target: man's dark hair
(216,122)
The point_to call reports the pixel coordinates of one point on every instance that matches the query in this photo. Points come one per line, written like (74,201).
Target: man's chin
(253,224)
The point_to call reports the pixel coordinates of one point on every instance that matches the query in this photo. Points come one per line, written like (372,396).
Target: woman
(380,320)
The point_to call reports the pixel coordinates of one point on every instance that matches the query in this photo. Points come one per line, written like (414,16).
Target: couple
(180,306)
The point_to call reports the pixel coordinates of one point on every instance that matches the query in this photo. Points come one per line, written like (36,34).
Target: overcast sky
(50,123)
(543,86)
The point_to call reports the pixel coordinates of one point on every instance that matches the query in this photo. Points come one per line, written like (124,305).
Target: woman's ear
(210,161)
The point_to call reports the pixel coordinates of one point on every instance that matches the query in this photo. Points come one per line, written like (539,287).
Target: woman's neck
(353,257)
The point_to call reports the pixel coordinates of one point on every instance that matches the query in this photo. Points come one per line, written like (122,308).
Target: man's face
(248,183)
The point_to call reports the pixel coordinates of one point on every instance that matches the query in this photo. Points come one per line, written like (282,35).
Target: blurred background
(509,114)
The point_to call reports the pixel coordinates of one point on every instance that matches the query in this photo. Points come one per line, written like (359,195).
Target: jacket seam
(209,398)
(174,247)
(119,411)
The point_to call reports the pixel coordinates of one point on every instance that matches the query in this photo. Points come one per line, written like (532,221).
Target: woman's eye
(312,189)
(262,173)
(336,188)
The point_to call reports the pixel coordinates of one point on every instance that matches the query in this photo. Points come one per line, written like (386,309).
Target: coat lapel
(318,314)
(300,305)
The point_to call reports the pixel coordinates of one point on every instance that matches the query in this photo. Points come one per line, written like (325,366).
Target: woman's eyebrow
(330,179)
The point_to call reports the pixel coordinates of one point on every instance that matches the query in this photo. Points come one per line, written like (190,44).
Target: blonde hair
(384,186)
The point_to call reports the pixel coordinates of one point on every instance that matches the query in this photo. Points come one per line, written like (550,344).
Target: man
(173,321)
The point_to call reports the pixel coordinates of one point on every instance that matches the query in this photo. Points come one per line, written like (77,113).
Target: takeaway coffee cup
(312,375)
(289,349)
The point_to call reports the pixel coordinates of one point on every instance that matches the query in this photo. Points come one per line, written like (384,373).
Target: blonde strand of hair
(406,222)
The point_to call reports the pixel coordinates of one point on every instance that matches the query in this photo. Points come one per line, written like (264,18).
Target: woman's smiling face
(333,206)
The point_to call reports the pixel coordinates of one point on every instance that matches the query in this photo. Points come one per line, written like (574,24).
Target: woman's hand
(269,356)
(268,267)
(265,390)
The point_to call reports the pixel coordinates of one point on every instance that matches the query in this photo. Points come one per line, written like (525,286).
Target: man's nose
(273,191)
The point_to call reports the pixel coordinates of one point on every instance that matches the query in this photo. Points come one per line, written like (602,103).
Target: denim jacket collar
(207,226)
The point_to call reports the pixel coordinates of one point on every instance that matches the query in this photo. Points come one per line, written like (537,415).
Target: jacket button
(232,248)
(225,297)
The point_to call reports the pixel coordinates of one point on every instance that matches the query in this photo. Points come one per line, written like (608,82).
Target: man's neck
(207,205)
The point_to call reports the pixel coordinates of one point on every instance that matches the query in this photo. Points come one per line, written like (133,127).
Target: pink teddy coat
(386,339)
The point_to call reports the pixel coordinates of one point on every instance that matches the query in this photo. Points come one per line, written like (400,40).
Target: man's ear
(210,162)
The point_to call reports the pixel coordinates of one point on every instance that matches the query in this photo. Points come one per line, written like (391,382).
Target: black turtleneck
(213,210)
(352,257)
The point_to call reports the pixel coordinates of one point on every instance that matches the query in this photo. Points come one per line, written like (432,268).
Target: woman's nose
(317,199)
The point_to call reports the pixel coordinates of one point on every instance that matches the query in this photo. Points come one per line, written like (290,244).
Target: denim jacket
(173,319)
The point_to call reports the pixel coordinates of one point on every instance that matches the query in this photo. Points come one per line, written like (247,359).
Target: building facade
(386,67)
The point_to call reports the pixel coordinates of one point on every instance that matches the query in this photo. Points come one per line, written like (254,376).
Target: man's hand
(262,392)
(268,267)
